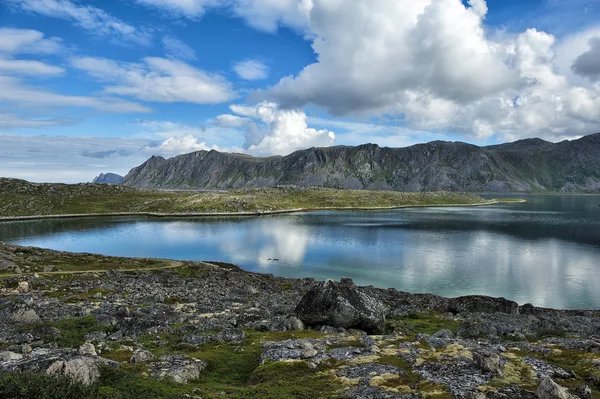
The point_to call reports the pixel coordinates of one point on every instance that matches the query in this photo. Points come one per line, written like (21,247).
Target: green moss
(73,331)
(416,323)
(15,385)
(21,198)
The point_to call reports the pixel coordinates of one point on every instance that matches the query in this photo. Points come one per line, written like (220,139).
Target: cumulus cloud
(431,63)
(175,48)
(588,63)
(180,145)
(158,79)
(268,15)
(92,19)
(274,131)
(251,70)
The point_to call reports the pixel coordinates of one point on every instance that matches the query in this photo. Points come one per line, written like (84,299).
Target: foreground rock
(341,305)
(58,362)
(178,367)
(213,330)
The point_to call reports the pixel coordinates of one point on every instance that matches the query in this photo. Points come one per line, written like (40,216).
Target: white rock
(549,389)
(23,287)
(8,356)
(88,349)
(141,356)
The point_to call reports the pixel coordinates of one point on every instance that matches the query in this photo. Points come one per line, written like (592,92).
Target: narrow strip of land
(252,213)
(21,200)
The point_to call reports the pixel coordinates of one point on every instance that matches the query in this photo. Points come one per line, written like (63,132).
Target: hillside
(22,198)
(523,166)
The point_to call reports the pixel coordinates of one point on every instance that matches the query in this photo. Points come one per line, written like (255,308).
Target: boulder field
(209,330)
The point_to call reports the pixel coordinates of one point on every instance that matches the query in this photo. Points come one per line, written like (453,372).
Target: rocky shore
(148,328)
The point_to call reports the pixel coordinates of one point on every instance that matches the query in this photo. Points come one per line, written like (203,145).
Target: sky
(96,86)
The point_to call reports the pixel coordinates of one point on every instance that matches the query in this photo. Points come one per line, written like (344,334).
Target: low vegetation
(21,198)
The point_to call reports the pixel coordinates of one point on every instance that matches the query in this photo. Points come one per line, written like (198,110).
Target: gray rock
(7,265)
(342,304)
(444,333)
(489,362)
(549,389)
(87,349)
(180,368)
(293,324)
(141,356)
(7,356)
(85,369)
(24,315)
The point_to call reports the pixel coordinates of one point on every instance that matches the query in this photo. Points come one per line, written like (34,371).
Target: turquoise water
(546,252)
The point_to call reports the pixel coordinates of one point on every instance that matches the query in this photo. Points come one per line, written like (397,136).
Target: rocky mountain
(108,178)
(525,165)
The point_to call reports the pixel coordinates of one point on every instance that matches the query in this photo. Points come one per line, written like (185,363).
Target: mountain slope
(526,165)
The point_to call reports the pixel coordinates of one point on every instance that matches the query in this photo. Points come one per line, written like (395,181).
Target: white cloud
(14,92)
(23,41)
(93,19)
(264,15)
(180,145)
(27,41)
(175,48)
(12,121)
(158,79)
(181,8)
(29,67)
(268,15)
(432,63)
(228,120)
(251,70)
(276,131)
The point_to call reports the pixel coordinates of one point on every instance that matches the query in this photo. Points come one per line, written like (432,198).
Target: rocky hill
(108,178)
(523,166)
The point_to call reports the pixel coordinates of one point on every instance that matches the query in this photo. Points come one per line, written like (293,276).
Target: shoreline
(253,213)
(176,264)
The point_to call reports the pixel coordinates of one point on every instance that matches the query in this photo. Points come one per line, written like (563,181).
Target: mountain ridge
(528,165)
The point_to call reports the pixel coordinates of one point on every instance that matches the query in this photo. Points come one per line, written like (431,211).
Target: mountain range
(530,165)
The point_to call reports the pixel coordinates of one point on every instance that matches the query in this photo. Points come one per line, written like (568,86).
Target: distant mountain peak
(108,178)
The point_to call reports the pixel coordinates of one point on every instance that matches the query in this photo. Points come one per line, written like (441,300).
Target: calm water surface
(546,252)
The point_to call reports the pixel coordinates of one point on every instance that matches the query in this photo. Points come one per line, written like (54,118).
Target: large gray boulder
(549,389)
(85,369)
(180,368)
(59,362)
(341,304)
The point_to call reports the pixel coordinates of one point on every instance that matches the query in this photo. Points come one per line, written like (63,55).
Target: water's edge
(254,213)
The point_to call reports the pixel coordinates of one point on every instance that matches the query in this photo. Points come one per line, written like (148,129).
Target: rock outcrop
(526,165)
(341,305)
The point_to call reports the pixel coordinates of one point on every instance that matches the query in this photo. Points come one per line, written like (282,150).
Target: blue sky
(96,86)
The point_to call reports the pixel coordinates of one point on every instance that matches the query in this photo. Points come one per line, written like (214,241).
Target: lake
(545,252)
